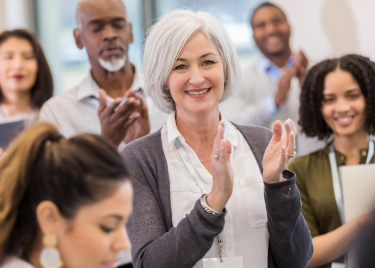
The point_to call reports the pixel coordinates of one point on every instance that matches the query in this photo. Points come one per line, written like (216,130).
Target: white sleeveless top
(245,233)
(15,262)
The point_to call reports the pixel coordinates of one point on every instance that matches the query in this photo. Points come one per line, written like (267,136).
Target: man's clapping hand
(124,122)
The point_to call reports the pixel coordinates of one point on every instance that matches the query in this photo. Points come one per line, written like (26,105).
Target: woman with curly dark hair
(337,105)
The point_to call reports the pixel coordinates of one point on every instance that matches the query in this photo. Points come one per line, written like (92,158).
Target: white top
(15,262)
(76,111)
(32,117)
(245,232)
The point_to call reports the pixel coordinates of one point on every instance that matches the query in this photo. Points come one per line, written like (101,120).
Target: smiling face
(343,105)
(271,31)
(97,233)
(18,65)
(105,32)
(196,81)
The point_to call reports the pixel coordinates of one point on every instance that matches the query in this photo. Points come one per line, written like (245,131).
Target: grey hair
(164,42)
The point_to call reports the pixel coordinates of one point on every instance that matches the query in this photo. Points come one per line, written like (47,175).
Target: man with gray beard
(110,99)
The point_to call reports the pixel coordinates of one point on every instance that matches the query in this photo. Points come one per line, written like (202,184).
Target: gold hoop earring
(50,255)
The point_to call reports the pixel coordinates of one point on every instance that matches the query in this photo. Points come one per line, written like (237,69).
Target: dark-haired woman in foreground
(63,202)
(337,100)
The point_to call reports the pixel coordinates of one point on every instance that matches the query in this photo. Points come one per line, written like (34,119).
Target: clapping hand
(276,159)
(222,172)
(300,64)
(141,125)
(284,85)
(116,119)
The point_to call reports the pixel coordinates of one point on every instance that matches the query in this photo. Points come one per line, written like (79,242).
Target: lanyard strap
(335,176)
(185,158)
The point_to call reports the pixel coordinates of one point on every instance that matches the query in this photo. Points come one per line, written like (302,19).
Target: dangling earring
(50,256)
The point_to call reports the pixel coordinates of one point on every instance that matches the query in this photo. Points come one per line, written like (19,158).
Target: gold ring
(290,156)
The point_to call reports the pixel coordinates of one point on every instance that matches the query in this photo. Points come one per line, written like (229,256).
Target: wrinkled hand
(116,119)
(275,159)
(222,187)
(301,63)
(141,126)
(284,85)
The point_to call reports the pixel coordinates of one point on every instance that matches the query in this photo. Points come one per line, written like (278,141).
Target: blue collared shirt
(271,69)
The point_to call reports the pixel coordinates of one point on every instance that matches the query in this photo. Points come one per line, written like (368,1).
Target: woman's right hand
(328,247)
(222,172)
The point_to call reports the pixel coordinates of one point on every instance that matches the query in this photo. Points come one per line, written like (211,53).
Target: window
(56,20)
(234,15)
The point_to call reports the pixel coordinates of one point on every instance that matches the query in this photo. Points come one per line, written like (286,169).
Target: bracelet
(205,206)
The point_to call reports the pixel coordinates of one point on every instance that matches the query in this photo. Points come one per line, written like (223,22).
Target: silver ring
(217,156)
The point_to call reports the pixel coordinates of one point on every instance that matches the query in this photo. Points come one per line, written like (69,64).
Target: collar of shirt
(89,88)
(271,69)
(341,158)
(173,131)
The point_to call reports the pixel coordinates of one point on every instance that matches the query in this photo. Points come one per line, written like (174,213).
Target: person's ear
(166,87)
(131,38)
(77,37)
(49,218)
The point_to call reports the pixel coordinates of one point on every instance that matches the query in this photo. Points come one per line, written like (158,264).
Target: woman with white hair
(209,193)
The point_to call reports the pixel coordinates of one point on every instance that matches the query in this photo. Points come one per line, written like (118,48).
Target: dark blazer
(156,243)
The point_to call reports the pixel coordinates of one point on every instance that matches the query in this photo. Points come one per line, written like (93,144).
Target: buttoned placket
(207,179)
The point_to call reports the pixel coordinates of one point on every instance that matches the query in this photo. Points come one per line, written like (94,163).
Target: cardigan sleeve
(290,242)
(290,239)
(153,245)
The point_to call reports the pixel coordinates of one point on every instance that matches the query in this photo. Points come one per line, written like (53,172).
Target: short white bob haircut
(164,43)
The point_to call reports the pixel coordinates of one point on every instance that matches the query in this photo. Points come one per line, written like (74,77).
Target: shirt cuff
(121,146)
(271,107)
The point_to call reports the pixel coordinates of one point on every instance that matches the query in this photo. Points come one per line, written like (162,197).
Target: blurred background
(321,28)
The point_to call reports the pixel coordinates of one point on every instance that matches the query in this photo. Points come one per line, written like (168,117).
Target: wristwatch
(205,206)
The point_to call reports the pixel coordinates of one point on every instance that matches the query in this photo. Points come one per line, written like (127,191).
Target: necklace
(205,161)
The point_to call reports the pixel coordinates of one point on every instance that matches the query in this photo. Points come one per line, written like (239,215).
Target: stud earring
(50,256)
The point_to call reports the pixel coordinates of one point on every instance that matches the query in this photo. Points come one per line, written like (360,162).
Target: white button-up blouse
(245,233)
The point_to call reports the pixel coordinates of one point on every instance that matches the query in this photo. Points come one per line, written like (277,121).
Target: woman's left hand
(275,159)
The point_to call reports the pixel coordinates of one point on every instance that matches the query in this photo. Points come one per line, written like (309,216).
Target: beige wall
(16,14)
(2,15)
(330,28)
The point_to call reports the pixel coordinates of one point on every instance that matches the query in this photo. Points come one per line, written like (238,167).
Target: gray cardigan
(156,243)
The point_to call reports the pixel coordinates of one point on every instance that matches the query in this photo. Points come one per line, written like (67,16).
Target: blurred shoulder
(15,262)
(67,97)
(149,145)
